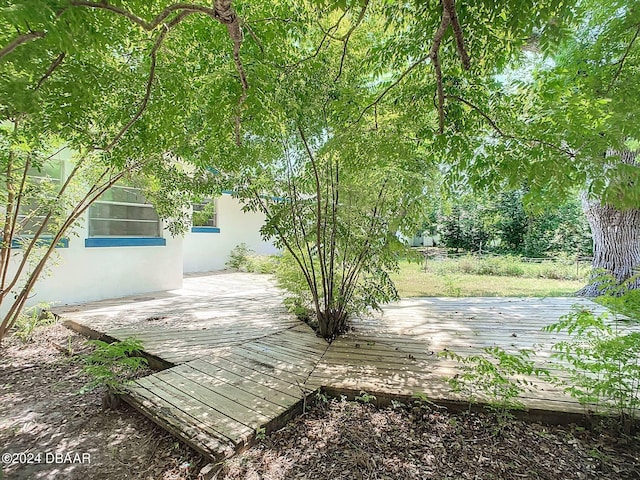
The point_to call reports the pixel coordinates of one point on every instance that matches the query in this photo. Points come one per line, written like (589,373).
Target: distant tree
(470,225)
(513,221)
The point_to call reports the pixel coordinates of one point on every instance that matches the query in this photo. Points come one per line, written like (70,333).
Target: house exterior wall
(205,251)
(82,271)
(79,274)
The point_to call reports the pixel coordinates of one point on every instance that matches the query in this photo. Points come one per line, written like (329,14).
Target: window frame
(124,240)
(214,228)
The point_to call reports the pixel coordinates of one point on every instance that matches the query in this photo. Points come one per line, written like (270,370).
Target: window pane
(52,170)
(123,228)
(117,215)
(123,194)
(43,185)
(115,211)
(204,214)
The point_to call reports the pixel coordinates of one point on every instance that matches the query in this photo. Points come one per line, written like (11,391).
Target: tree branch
(504,134)
(449,6)
(55,64)
(393,85)
(345,38)
(327,34)
(434,54)
(158,19)
(152,73)
(16,42)
(623,59)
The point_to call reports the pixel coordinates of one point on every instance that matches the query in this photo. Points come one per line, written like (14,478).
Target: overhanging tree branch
(449,17)
(52,68)
(16,42)
(393,85)
(345,38)
(157,20)
(450,8)
(434,54)
(152,73)
(222,12)
(623,59)
(504,134)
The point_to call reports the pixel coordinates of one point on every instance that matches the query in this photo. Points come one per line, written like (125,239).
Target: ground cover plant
(602,355)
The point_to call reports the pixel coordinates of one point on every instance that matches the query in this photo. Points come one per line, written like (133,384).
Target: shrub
(602,356)
(263,263)
(510,266)
(110,365)
(239,257)
(290,278)
(495,376)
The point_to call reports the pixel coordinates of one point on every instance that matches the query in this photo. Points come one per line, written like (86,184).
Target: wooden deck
(239,363)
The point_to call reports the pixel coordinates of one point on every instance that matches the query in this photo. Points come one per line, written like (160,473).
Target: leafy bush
(495,376)
(239,257)
(510,266)
(31,319)
(111,364)
(263,263)
(291,279)
(602,356)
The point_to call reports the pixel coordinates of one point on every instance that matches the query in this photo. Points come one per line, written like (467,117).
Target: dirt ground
(42,412)
(347,440)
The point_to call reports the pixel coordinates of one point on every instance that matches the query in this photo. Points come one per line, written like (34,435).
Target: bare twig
(319,242)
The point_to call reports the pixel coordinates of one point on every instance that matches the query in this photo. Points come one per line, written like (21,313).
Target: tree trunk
(616,235)
(616,243)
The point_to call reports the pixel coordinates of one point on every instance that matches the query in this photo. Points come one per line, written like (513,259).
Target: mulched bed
(42,411)
(348,440)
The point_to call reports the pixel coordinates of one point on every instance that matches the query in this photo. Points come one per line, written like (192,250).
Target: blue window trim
(205,230)
(42,242)
(124,242)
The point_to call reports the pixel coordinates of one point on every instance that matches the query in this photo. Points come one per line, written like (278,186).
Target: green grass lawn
(413,281)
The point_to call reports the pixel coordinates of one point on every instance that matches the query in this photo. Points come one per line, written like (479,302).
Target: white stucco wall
(79,274)
(203,252)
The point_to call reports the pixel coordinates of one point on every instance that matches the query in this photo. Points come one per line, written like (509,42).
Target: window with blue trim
(38,200)
(205,217)
(122,211)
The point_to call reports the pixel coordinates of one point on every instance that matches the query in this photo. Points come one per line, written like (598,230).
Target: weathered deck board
(241,362)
